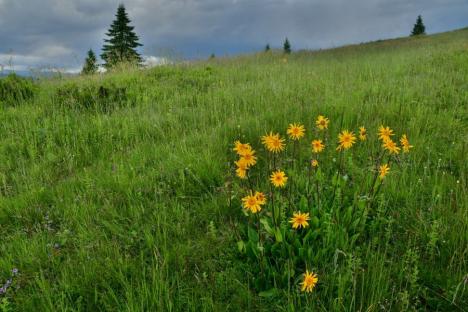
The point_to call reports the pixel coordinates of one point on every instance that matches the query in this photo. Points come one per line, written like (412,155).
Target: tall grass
(128,208)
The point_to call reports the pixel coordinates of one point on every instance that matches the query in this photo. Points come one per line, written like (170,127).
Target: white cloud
(152,61)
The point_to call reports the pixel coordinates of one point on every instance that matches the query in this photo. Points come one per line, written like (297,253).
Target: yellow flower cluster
(385,135)
(362,133)
(247,158)
(405,143)
(383,170)
(253,202)
(273,142)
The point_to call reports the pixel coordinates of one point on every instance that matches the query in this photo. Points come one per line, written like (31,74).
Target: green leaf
(241,246)
(276,249)
(252,250)
(303,204)
(270,293)
(278,235)
(253,235)
(301,252)
(267,226)
(335,180)
(307,237)
(348,214)
(309,253)
(315,222)
(354,238)
(276,208)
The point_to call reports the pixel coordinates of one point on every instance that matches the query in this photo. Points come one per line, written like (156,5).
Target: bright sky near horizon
(57,33)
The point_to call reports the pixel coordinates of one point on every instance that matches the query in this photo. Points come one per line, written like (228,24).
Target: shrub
(102,98)
(14,90)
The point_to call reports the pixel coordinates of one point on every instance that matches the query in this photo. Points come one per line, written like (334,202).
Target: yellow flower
(278,178)
(383,170)
(241,173)
(300,220)
(362,133)
(314,163)
(322,122)
(391,146)
(317,146)
(241,148)
(273,142)
(309,282)
(346,140)
(405,143)
(385,133)
(249,158)
(250,202)
(241,170)
(296,131)
(261,198)
(241,164)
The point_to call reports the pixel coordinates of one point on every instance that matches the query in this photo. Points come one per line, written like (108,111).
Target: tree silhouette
(122,42)
(419,28)
(287,46)
(90,65)
(267,47)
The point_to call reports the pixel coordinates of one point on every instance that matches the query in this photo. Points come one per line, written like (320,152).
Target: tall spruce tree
(122,42)
(419,28)
(90,66)
(287,46)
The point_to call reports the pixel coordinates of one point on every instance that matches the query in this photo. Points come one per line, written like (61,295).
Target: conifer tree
(267,47)
(90,66)
(419,28)
(287,46)
(122,42)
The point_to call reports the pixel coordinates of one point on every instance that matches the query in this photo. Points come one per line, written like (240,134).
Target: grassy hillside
(115,190)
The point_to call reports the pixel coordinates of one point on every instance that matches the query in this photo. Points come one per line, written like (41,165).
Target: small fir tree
(267,47)
(90,66)
(287,46)
(419,28)
(121,45)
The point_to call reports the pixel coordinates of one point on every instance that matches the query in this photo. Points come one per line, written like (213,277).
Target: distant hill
(35,74)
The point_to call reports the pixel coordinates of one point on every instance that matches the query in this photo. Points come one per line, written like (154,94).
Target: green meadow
(116,190)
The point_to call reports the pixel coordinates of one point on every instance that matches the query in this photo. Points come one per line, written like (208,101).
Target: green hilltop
(115,189)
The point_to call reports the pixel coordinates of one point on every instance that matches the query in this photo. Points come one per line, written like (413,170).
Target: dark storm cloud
(58,32)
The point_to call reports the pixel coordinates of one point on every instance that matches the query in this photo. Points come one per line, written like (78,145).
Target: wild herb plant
(303,200)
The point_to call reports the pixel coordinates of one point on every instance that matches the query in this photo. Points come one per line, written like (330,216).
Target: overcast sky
(57,33)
